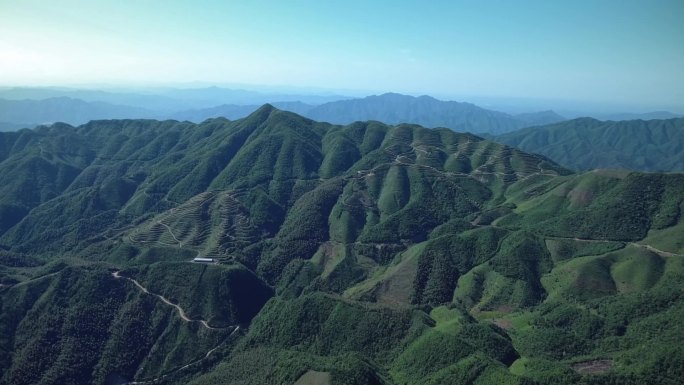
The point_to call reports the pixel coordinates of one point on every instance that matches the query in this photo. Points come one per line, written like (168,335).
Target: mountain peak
(269,113)
(398,96)
(260,115)
(266,108)
(394,108)
(393,95)
(263,112)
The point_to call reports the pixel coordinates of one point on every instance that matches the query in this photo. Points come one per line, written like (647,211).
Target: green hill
(358,254)
(83,325)
(586,144)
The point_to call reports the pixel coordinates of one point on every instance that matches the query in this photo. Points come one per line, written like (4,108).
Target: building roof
(200,259)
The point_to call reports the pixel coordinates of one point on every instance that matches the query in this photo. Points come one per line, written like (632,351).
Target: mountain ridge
(370,253)
(588,143)
(390,108)
(394,108)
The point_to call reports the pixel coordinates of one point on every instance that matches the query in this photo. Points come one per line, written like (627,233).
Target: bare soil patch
(505,324)
(313,377)
(593,367)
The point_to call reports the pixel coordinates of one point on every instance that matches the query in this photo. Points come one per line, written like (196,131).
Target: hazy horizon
(622,53)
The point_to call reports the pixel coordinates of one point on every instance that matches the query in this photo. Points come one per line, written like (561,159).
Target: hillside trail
(183,315)
(165,375)
(180,244)
(657,251)
(636,244)
(34,279)
(650,248)
(181,312)
(474,174)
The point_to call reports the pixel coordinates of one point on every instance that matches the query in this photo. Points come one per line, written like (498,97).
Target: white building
(203,260)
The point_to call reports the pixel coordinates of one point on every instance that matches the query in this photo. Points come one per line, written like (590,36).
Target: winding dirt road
(627,243)
(657,251)
(185,318)
(180,310)
(34,279)
(165,375)
(180,244)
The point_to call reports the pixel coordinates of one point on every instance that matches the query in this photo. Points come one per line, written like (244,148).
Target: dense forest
(586,144)
(357,254)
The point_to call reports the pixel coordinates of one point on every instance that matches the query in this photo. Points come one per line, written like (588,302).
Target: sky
(592,50)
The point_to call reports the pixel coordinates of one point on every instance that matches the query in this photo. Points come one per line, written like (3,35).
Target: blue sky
(602,50)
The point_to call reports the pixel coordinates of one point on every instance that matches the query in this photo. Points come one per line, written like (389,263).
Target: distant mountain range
(643,116)
(28,107)
(237,111)
(392,108)
(539,118)
(23,107)
(28,113)
(427,111)
(166,101)
(586,143)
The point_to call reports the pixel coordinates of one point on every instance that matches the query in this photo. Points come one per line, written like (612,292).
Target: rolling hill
(585,144)
(358,254)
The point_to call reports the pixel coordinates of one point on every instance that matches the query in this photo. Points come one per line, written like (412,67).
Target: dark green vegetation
(359,254)
(585,144)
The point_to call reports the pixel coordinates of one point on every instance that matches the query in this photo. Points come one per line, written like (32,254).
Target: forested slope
(354,254)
